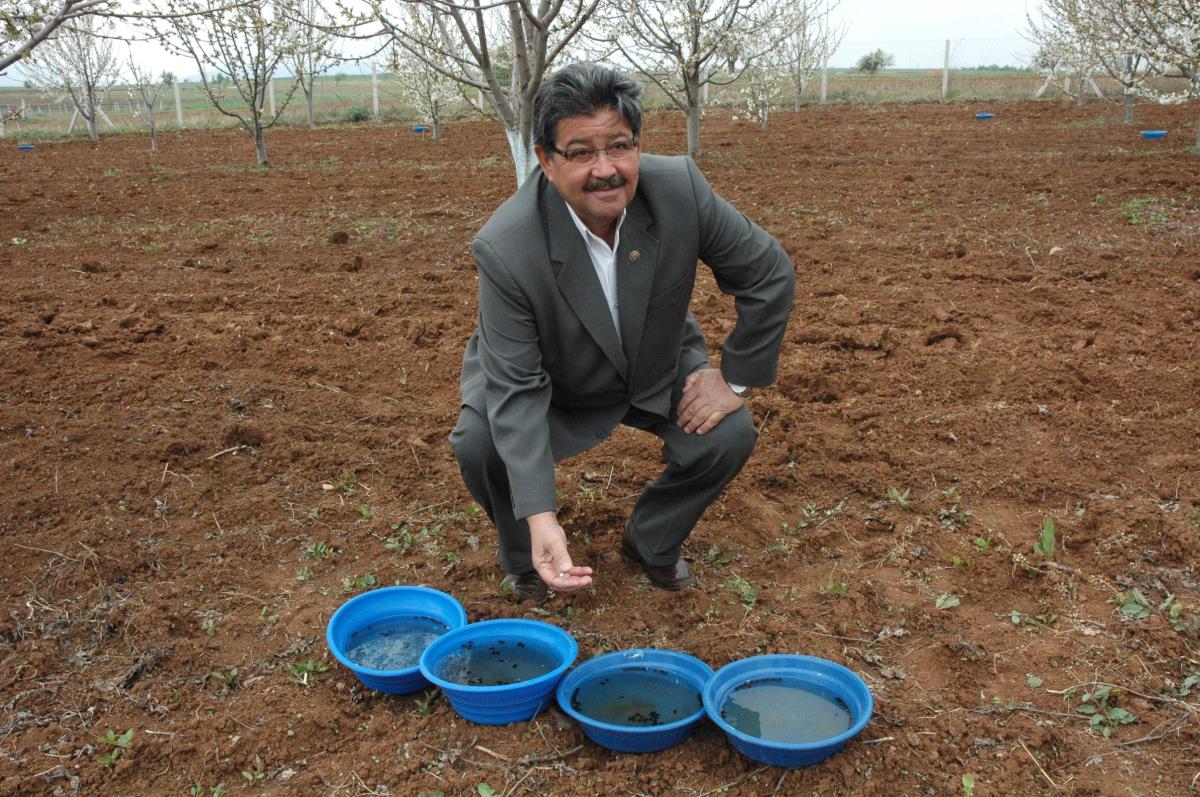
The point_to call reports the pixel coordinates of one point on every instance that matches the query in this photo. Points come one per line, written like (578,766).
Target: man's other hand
(707,399)
(548,544)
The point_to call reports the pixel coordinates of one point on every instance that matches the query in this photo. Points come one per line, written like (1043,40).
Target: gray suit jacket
(545,365)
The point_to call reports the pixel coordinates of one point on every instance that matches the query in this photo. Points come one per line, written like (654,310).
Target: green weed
(745,591)
(1104,717)
(113,746)
(1045,542)
(946,601)
(1135,211)
(424,703)
(302,672)
(901,498)
(833,589)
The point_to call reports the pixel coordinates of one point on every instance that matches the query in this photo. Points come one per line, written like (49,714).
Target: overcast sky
(912,30)
(888,20)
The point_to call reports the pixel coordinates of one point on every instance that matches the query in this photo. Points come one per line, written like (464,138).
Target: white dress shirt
(604,260)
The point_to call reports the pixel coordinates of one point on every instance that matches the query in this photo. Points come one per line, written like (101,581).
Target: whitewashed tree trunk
(522,154)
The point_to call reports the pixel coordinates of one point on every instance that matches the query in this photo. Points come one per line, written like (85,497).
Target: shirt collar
(589,236)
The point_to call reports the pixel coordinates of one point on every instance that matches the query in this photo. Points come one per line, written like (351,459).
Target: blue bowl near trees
(636,701)
(1154,134)
(984,115)
(787,710)
(380,635)
(499,671)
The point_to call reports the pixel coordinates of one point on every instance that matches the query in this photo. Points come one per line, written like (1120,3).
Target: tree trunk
(437,127)
(93,134)
(693,129)
(260,145)
(1198,136)
(153,135)
(522,155)
(308,100)
(1128,107)
(691,86)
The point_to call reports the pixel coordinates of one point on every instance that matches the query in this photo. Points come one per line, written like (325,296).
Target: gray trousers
(698,468)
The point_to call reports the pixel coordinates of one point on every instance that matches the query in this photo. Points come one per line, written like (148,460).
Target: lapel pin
(635,255)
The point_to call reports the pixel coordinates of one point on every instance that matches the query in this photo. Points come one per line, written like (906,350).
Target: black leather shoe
(669,577)
(528,587)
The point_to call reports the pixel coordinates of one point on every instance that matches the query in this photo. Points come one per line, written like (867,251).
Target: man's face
(597,191)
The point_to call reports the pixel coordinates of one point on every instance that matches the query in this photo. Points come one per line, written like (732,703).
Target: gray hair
(582,89)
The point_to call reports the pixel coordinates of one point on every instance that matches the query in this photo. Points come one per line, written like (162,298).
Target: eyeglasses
(582,156)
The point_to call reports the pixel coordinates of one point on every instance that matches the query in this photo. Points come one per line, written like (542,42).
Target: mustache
(596,184)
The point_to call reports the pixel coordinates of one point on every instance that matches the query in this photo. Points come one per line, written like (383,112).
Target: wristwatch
(738,390)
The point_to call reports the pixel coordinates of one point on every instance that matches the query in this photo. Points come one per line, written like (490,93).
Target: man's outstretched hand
(548,542)
(706,401)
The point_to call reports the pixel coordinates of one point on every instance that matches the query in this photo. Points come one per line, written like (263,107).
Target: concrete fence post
(374,91)
(946,72)
(178,105)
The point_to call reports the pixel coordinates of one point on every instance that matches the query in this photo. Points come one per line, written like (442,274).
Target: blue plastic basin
(1154,134)
(384,605)
(500,705)
(984,115)
(25,147)
(420,129)
(823,676)
(636,739)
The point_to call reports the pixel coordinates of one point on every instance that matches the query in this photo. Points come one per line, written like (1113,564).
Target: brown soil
(226,391)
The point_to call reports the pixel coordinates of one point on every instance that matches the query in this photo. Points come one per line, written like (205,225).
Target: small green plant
(197,790)
(968,782)
(367,512)
(953,516)
(208,626)
(402,543)
(424,703)
(113,747)
(347,483)
(957,561)
(946,601)
(257,773)
(1193,518)
(745,591)
(833,589)
(265,615)
(901,498)
(229,678)
(781,546)
(351,583)
(1133,604)
(303,671)
(714,557)
(486,791)
(508,586)
(1045,542)
(357,114)
(318,549)
(809,517)
(305,574)
(1135,211)
(1098,201)
(1174,610)
(983,544)
(1104,717)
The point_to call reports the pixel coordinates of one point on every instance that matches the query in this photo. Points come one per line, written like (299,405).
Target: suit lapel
(577,280)
(637,259)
